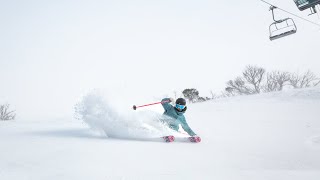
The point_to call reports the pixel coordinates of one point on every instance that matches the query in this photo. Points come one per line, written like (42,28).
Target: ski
(192,139)
(195,139)
(168,138)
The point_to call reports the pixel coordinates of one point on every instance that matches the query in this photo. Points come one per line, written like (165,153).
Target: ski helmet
(181,101)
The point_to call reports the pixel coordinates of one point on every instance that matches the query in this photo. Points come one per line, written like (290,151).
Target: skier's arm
(186,128)
(166,103)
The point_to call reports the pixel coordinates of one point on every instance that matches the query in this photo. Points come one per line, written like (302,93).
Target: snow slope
(262,137)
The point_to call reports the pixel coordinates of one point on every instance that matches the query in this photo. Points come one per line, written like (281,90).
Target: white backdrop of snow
(271,136)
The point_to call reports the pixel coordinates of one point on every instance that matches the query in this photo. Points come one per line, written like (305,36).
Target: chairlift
(281,28)
(307,4)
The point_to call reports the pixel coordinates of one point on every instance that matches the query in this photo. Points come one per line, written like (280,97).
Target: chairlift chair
(306,4)
(281,28)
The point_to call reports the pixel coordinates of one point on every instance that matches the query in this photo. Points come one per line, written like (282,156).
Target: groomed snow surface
(261,137)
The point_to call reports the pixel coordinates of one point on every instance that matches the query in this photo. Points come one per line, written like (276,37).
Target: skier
(176,115)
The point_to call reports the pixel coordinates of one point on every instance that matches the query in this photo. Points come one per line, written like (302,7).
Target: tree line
(255,80)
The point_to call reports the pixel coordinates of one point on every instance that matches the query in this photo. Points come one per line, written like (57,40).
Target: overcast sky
(52,52)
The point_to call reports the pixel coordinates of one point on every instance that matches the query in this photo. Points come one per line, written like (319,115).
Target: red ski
(168,138)
(193,139)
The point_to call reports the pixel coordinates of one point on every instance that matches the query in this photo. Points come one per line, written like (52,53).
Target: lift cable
(292,14)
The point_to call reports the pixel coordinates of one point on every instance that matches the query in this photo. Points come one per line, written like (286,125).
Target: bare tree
(249,83)
(304,80)
(226,94)
(254,76)
(238,86)
(5,113)
(271,85)
(213,95)
(294,80)
(276,80)
(201,99)
(253,81)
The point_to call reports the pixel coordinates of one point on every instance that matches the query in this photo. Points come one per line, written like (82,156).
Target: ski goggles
(178,106)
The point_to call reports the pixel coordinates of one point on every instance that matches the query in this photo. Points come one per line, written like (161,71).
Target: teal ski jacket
(176,118)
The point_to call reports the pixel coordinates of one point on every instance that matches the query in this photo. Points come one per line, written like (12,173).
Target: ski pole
(161,102)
